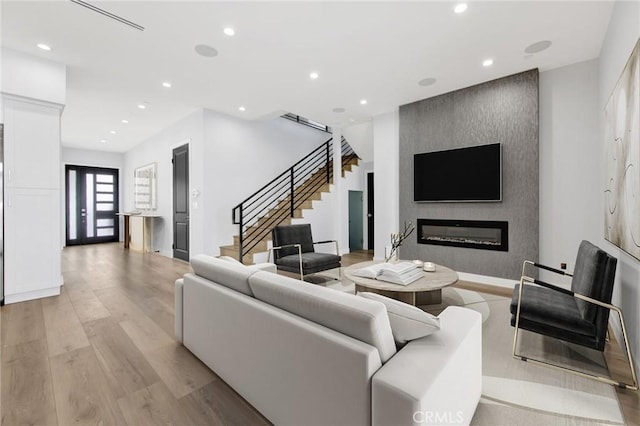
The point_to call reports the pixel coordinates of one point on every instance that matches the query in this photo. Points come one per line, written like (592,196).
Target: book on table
(402,273)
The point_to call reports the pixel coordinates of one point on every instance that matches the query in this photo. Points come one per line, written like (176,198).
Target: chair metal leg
(300,257)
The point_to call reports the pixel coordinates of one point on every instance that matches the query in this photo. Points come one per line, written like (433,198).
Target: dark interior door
(181,202)
(92,205)
(355,220)
(370,211)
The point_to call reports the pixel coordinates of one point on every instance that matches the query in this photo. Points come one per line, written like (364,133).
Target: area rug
(514,392)
(518,393)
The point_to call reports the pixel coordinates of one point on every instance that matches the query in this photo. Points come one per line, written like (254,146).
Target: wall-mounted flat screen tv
(472,174)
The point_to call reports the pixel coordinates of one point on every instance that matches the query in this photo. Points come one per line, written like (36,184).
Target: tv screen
(463,174)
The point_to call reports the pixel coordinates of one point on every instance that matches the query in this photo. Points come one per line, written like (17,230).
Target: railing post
(292,193)
(240,237)
(327,163)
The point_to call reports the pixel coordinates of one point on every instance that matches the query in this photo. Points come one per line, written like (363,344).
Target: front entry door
(181,202)
(92,204)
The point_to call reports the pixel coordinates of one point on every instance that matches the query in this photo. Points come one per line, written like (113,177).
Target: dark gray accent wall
(504,111)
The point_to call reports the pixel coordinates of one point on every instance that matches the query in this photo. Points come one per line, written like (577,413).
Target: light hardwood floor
(103,351)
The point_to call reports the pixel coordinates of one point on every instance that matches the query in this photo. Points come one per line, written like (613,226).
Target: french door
(92,204)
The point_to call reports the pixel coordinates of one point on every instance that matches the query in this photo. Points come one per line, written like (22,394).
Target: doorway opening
(92,204)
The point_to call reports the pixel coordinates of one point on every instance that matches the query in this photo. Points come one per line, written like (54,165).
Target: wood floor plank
(179,369)
(160,312)
(89,308)
(154,405)
(27,393)
(63,328)
(146,335)
(218,404)
(22,322)
(119,356)
(84,394)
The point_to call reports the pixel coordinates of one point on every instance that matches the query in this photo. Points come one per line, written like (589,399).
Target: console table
(138,231)
(425,291)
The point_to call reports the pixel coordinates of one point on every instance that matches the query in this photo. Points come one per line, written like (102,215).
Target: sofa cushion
(407,322)
(542,307)
(225,273)
(357,317)
(309,260)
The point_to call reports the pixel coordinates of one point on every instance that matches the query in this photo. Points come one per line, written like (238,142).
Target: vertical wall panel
(504,111)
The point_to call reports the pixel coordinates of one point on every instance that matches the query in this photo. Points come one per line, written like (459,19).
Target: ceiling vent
(108,14)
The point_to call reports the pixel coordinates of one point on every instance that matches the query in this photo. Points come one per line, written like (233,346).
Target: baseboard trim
(485,279)
(31,295)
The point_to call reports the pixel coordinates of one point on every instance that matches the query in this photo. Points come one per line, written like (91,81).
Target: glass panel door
(92,205)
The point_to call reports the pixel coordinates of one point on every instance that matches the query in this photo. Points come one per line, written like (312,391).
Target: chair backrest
(292,234)
(593,276)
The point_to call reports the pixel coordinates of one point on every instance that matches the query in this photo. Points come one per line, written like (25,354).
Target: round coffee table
(425,291)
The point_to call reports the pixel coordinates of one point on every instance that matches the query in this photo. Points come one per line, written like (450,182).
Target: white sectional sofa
(303,354)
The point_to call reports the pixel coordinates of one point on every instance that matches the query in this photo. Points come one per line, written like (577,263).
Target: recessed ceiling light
(125,121)
(166,84)
(113,132)
(206,51)
(487,62)
(142,106)
(44,46)
(339,110)
(242,108)
(427,81)
(460,8)
(363,101)
(103,141)
(313,75)
(538,47)
(229,31)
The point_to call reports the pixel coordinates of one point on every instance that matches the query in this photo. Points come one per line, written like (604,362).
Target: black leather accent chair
(579,315)
(293,251)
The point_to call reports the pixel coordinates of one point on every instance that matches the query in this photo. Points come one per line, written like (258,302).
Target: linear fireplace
(477,234)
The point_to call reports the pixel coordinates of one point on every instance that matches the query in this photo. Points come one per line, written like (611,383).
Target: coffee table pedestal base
(433,297)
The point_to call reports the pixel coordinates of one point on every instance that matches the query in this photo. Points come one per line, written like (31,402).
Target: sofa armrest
(268,267)
(179,286)
(433,380)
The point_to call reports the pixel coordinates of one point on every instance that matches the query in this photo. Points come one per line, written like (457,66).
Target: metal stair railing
(279,199)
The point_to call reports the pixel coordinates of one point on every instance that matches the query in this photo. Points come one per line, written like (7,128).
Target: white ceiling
(373,50)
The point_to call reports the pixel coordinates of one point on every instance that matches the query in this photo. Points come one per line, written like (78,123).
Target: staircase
(284,198)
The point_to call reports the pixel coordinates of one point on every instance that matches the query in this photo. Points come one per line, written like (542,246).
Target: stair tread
(311,188)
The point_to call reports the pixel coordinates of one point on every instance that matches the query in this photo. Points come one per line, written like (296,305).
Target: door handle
(369,215)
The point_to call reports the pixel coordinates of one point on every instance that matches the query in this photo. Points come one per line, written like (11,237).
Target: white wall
(622,34)
(386,133)
(86,157)
(32,77)
(570,156)
(159,149)
(360,137)
(229,159)
(241,156)
(323,210)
